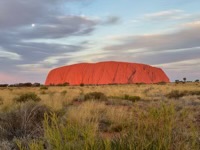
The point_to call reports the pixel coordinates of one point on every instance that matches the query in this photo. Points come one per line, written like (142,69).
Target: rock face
(106,73)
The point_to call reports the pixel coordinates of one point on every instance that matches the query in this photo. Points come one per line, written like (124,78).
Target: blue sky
(37,36)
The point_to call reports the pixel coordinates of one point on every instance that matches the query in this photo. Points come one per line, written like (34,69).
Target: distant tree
(184,79)
(28,84)
(177,81)
(197,80)
(3,85)
(36,84)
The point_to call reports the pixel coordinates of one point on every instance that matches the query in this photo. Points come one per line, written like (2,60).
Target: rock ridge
(110,72)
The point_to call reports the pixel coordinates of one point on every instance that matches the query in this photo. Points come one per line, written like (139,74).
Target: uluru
(109,72)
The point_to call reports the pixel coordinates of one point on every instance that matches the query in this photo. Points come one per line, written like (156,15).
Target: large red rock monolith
(106,73)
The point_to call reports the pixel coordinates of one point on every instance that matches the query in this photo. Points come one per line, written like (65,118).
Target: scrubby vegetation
(96,96)
(27,97)
(118,117)
(177,94)
(23,121)
(99,96)
(43,88)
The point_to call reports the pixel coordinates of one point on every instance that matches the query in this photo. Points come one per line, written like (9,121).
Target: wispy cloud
(9,55)
(187,37)
(167,15)
(165,49)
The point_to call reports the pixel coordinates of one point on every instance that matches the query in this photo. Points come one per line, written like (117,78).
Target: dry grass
(154,122)
(147,92)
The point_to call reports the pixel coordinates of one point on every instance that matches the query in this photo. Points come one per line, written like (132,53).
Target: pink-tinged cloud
(6,78)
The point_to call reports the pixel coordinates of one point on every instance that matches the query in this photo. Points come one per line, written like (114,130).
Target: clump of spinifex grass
(22,121)
(30,96)
(159,129)
(99,96)
(156,129)
(127,97)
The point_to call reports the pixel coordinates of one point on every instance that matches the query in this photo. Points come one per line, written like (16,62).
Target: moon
(33,25)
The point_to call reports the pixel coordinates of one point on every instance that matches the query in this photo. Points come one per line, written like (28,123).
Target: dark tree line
(28,84)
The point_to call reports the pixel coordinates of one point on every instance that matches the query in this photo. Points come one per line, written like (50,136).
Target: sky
(39,35)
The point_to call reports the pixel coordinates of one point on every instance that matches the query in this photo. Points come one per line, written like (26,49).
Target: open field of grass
(119,117)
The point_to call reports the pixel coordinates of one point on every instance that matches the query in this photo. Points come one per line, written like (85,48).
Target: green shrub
(43,88)
(132,98)
(27,97)
(126,99)
(61,136)
(176,94)
(96,96)
(91,96)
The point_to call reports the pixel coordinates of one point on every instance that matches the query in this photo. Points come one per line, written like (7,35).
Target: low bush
(175,94)
(96,96)
(91,96)
(178,94)
(132,98)
(27,97)
(43,88)
(23,121)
